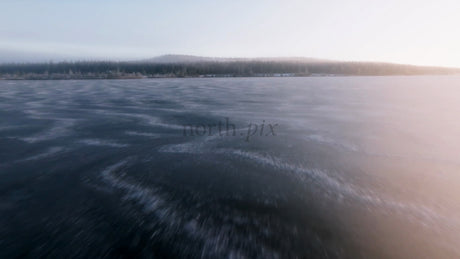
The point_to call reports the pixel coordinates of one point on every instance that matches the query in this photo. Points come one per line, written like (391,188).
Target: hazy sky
(417,32)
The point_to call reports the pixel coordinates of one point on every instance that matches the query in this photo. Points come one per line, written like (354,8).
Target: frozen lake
(325,167)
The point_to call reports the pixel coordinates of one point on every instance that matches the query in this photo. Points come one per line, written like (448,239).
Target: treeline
(69,70)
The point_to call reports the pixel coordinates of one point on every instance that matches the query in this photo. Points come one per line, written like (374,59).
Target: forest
(247,68)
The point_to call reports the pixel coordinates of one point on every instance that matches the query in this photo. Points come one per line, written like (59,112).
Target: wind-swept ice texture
(359,168)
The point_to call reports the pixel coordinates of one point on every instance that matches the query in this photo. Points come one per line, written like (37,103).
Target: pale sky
(405,31)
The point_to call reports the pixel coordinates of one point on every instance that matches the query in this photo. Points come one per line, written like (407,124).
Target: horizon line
(224,59)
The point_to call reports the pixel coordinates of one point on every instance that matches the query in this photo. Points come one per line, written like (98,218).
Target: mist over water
(358,167)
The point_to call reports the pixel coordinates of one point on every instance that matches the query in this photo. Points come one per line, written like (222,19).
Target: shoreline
(214,76)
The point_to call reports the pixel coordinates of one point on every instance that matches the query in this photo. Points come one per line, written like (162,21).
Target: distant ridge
(170,58)
(174,58)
